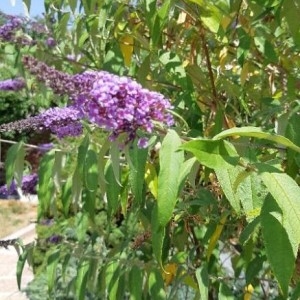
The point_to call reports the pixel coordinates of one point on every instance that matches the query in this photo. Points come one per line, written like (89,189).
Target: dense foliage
(175,166)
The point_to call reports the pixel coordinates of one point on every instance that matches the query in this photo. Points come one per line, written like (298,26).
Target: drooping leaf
(81,280)
(257,132)
(66,196)
(214,154)
(203,280)
(185,171)
(137,165)
(52,263)
(126,46)
(91,170)
(112,189)
(171,161)
(135,283)
(281,252)
(286,193)
(14,163)
(46,183)
(20,266)
(151,179)
(215,236)
(156,285)
(111,278)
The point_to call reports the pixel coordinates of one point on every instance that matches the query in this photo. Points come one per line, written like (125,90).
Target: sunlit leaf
(257,132)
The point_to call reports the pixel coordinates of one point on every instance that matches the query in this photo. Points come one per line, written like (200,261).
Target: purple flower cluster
(121,105)
(61,83)
(8,30)
(117,104)
(12,84)
(62,121)
(29,183)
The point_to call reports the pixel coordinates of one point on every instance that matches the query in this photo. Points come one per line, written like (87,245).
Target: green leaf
(135,283)
(81,280)
(138,158)
(52,263)
(14,163)
(257,132)
(279,248)
(66,196)
(89,200)
(291,12)
(203,280)
(251,192)
(249,229)
(111,278)
(46,184)
(112,189)
(91,170)
(171,161)
(227,178)
(286,193)
(115,160)
(225,293)
(185,170)
(292,133)
(214,154)
(82,224)
(20,266)
(156,286)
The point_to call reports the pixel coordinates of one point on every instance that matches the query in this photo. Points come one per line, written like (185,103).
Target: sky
(16,7)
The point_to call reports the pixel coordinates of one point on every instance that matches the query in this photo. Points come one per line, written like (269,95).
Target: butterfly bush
(117,104)
(12,84)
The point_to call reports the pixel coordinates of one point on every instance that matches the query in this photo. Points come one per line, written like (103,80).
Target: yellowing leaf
(244,73)
(169,273)
(215,237)
(151,179)
(126,46)
(248,292)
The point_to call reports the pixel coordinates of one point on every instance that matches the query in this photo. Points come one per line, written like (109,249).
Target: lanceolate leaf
(257,132)
(46,183)
(137,164)
(281,253)
(216,154)
(91,170)
(227,178)
(20,266)
(81,280)
(52,269)
(171,161)
(135,283)
(112,189)
(286,193)
(14,163)
(185,171)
